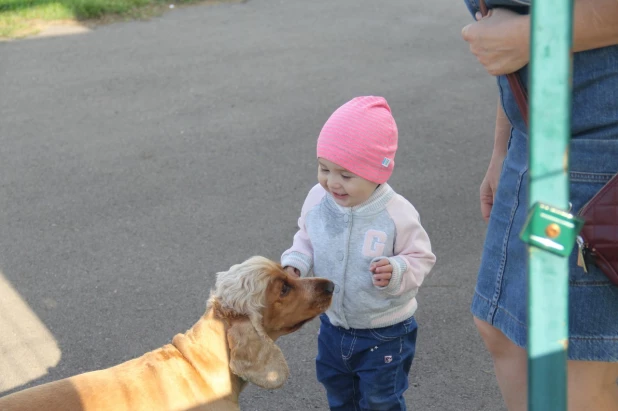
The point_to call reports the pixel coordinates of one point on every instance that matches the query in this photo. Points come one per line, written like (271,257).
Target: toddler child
(359,233)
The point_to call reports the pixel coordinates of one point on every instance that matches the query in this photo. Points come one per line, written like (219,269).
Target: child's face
(347,188)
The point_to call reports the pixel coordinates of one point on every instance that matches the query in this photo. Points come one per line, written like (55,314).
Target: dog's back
(162,379)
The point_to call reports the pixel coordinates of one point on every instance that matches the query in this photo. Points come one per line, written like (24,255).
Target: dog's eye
(285,289)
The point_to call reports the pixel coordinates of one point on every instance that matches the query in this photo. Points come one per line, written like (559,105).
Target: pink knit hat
(361,136)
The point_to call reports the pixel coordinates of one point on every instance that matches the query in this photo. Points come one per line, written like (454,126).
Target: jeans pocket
(410,324)
(393,331)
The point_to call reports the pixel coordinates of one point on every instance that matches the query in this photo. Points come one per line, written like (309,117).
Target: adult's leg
(510,364)
(592,386)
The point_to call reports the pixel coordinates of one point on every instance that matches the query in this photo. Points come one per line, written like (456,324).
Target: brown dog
(206,368)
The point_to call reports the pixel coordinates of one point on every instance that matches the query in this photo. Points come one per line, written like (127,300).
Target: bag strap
(517,86)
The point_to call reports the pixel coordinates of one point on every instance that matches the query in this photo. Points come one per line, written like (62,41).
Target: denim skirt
(500,296)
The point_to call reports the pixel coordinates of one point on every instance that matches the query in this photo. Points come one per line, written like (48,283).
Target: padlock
(551,229)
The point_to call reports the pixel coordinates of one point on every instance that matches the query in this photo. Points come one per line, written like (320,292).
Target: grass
(20,18)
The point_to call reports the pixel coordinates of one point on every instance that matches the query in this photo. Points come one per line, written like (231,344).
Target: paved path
(139,159)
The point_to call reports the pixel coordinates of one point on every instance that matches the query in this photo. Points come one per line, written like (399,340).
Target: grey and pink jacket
(339,243)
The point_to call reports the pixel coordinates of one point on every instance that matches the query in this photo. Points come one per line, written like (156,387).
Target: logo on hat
(386,162)
(388,359)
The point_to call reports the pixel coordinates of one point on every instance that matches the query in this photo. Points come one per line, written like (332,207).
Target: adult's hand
(500,41)
(489,186)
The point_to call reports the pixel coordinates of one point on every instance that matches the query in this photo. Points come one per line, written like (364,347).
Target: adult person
(500,41)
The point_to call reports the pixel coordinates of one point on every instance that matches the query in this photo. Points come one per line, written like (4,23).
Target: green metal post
(550,111)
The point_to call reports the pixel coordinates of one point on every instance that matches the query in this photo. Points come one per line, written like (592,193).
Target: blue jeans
(365,369)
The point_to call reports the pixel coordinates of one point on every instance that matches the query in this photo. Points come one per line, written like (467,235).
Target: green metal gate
(550,231)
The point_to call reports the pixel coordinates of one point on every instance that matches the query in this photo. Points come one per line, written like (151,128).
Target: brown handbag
(598,239)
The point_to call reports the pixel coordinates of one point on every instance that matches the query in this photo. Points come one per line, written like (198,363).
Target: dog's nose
(329,287)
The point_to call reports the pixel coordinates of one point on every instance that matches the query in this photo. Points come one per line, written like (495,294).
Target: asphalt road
(139,159)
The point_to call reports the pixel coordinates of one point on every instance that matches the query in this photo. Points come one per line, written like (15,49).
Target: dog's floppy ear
(254,357)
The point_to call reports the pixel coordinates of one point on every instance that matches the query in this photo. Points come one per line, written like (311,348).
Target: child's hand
(382,272)
(292,270)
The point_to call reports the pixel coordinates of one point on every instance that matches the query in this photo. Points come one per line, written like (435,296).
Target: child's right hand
(292,270)
(382,272)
